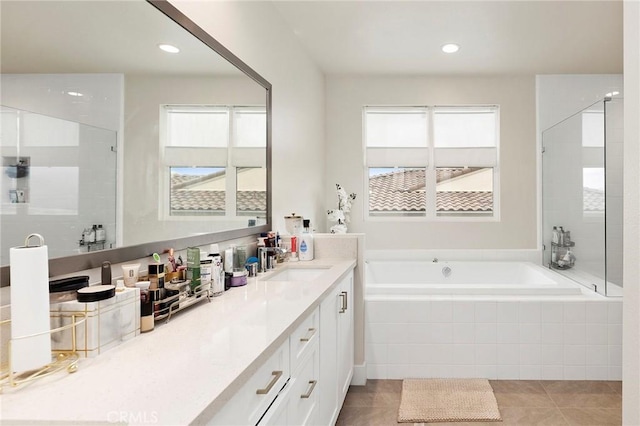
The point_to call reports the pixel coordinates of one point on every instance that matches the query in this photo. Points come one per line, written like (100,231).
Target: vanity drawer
(248,405)
(304,395)
(304,338)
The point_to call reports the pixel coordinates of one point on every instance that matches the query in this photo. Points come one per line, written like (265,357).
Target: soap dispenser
(305,247)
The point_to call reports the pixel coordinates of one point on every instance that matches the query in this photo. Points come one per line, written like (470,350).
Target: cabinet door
(328,382)
(345,338)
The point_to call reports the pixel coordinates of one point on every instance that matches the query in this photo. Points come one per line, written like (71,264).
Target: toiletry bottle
(101,233)
(306,242)
(217,274)
(554,237)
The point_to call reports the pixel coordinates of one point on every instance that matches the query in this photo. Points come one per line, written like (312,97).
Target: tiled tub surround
(506,337)
(526,337)
(202,356)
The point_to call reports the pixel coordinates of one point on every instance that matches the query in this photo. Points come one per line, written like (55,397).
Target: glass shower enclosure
(582,206)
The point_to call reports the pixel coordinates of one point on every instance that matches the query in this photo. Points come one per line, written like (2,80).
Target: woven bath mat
(447,400)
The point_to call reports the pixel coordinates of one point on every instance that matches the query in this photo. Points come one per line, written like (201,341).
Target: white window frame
(233,158)
(428,158)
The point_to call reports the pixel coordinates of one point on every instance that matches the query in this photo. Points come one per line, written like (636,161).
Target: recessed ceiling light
(169,48)
(74,94)
(450,48)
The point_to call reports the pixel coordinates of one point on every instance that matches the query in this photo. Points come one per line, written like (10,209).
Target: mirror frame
(80,262)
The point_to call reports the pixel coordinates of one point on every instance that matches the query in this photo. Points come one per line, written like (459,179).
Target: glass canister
(239,258)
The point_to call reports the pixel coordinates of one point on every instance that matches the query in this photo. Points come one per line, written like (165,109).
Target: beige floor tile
(587,400)
(523,400)
(371,399)
(592,416)
(616,386)
(368,416)
(517,386)
(532,416)
(576,386)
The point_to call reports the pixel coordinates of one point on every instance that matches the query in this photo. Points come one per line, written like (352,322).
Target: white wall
(346,95)
(631,302)
(256,33)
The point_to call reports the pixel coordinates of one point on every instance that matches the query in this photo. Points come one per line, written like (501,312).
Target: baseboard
(359,375)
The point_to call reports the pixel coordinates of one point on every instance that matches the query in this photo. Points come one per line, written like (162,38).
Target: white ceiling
(99,37)
(496,37)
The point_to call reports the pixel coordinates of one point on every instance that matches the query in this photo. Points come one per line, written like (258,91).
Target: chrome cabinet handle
(276,376)
(309,336)
(343,307)
(313,386)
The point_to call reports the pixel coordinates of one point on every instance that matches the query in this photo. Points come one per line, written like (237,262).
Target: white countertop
(181,372)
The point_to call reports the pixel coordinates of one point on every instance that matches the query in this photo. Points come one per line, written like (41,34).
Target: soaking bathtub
(486,319)
(413,278)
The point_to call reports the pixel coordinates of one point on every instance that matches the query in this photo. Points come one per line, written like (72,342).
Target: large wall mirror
(112,147)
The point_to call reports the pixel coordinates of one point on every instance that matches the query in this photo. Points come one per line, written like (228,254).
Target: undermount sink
(297,274)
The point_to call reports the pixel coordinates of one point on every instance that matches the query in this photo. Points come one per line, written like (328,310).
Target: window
(214,161)
(432,162)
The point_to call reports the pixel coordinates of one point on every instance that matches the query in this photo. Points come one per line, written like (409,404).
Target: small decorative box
(108,323)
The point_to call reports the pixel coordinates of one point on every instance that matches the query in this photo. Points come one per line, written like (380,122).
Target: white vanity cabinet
(336,349)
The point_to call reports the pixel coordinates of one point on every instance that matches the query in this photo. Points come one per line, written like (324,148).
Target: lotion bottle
(305,245)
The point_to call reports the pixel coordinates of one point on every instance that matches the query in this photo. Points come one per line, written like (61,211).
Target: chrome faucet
(268,257)
(435,260)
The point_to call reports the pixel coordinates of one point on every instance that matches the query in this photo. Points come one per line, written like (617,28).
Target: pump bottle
(305,246)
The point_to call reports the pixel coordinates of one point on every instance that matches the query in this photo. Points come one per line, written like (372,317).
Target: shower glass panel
(582,196)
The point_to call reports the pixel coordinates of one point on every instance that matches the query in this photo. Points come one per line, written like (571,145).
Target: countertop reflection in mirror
(124,148)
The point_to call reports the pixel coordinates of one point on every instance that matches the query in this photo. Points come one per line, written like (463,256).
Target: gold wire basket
(60,359)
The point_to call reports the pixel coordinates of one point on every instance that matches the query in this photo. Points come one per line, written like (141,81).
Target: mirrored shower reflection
(49,168)
(582,196)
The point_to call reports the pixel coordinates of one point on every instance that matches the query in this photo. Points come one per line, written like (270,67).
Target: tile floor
(521,402)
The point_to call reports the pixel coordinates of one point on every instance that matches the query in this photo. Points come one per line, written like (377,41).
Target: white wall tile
(574,334)
(615,356)
(574,312)
(486,312)
(376,371)
(486,372)
(552,333)
(596,312)
(441,311)
(552,355)
(615,334)
(507,372)
(530,333)
(397,333)
(552,372)
(462,371)
(573,372)
(508,354)
(507,312)
(574,354)
(508,333)
(463,354)
(376,353)
(597,355)
(399,354)
(402,371)
(376,333)
(593,372)
(530,312)
(440,333)
(463,311)
(530,372)
(615,373)
(415,312)
(486,354)
(442,354)
(615,312)
(485,333)
(552,312)
(597,334)
(530,355)
(465,333)
(420,354)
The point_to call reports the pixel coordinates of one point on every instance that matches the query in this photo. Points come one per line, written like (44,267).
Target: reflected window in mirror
(213,161)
